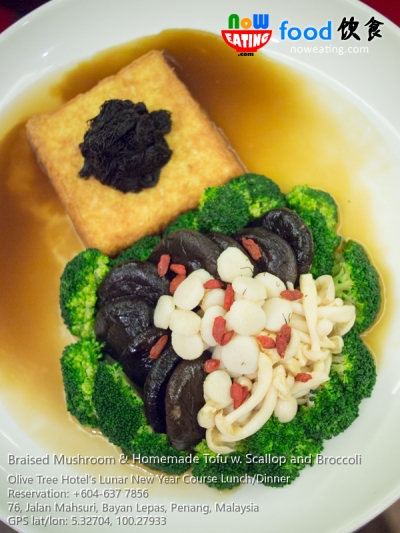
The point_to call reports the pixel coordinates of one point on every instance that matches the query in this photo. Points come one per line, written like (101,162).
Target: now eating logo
(246,39)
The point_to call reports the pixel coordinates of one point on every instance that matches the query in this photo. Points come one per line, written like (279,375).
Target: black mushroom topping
(189,248)
(277,256)
(138,279)
(120,321)
(184,399)
(288,225)
(156,386)
(136,360)
(124,146)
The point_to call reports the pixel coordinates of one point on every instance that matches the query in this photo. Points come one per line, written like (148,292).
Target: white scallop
(245,317)
(233,263)
(240,355)
(187,347)
(207,323)
(163,311)
(217,354)
(217,387)
(189,293)
(277,313)
(249,288)
(285,410)
(202,274)
(185,323)
(273,285)
(213,297)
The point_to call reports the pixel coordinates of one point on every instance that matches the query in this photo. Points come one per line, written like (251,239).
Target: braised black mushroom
(277,256)
(189,248)
(183,400)
(135,358)
(120,321)
(156,386)
(139,279)
(288,225)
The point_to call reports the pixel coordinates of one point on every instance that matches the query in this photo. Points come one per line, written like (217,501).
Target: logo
(246,39)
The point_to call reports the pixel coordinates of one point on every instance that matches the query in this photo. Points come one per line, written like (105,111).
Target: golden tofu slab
(109,219)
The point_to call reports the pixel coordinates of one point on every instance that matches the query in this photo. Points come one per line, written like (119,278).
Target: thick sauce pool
(279,123)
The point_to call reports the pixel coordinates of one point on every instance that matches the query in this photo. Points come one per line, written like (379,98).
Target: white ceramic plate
(324,498)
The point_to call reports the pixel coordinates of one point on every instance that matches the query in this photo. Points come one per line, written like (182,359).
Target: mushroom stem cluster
(271,344)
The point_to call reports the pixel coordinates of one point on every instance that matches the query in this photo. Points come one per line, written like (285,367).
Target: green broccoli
(187,220)
(261,193)
(336,403)
(153,445)
(319,211)
(357,282)
(79,364)
(225,468)
(222,209)
(140,250)
(119,409)
(289,449)
(78,286)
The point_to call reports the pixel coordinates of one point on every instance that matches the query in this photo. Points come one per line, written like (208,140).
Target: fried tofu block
(106,218)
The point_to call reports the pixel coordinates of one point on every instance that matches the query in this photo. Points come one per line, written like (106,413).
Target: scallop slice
(273,285)
(213,297)
(277,312)
(186,323)
(233,263)
(217,386)
(249,288)
(163,311)
(189,293)
(188,347)
(207,323)
(245,318)
(240,355)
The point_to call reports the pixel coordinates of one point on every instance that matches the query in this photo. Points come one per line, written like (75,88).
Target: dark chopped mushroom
(135,358)
(183,400)
(120,321)
(124,146)
(138,279)
(288,225)
(156,386)
(277,256)
(189,248)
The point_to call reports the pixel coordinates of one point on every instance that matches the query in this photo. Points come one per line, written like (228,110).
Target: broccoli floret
(151,445)
(357,282)
(288,446)
(355,366)
(78,286)
(225,468)
(119,409)
(140,250)
(319,211)
(79,364)
(261,193)
(336,403)
(222,209)
(187,220)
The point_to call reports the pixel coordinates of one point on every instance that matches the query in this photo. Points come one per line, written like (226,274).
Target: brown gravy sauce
(276,120)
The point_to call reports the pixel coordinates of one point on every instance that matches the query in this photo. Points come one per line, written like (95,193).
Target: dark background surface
(12,10)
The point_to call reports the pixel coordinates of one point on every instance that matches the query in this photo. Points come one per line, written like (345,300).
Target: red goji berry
(211,364)
(163,264)
(252,247)
(176,282)
(292,295)
(238,394)
(156,350)
(229,297)
(303,377)
(213,284)
(266,342)
(286,330)
(281,344)
(227,338)
(178,269)
(219,329)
